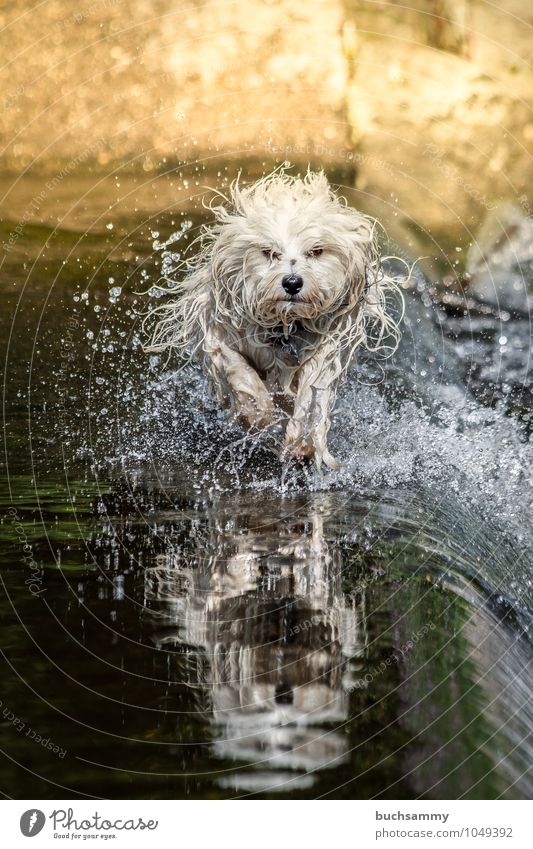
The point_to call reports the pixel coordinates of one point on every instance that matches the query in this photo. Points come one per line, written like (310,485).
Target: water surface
(183,619)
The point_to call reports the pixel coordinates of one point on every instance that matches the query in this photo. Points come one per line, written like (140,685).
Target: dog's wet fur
(287,284)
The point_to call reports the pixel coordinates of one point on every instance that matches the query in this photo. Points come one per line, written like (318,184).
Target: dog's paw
(299,450)
(257,414)
(330,461)
(303,451)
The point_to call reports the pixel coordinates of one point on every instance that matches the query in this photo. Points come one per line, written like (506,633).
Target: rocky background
(425,109)
(138,82)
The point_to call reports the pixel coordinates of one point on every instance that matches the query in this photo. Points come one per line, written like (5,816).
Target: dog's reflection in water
(259,597)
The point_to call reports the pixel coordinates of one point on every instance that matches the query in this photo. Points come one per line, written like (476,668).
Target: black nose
(292,283)
(284,695)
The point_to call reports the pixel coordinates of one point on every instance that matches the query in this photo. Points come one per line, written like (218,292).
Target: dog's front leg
(307,430)
(239,387)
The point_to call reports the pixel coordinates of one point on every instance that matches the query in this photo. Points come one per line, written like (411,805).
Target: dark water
(180,618)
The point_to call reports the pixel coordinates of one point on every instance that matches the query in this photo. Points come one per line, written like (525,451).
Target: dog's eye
(270,254)
(314,252)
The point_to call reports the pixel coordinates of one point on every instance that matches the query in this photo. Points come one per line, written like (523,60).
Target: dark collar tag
(288,351)
(286,347)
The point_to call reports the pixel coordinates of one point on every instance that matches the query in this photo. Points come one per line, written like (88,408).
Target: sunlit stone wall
(427,106)
(439,100)
(116,80)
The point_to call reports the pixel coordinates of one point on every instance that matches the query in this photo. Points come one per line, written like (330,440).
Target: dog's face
(289,249)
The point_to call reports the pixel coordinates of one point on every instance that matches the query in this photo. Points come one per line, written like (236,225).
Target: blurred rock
(440,101)
(500,261)
(426,108)
(143,82)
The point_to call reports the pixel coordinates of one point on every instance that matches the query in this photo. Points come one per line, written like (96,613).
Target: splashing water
(441,438)
(196,543)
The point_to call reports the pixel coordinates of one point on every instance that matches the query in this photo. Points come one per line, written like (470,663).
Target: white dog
(286,285)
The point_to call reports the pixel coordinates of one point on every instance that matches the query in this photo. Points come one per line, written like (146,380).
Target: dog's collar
(284,340)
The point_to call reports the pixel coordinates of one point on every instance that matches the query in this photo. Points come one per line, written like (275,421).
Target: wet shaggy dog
(286,285)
